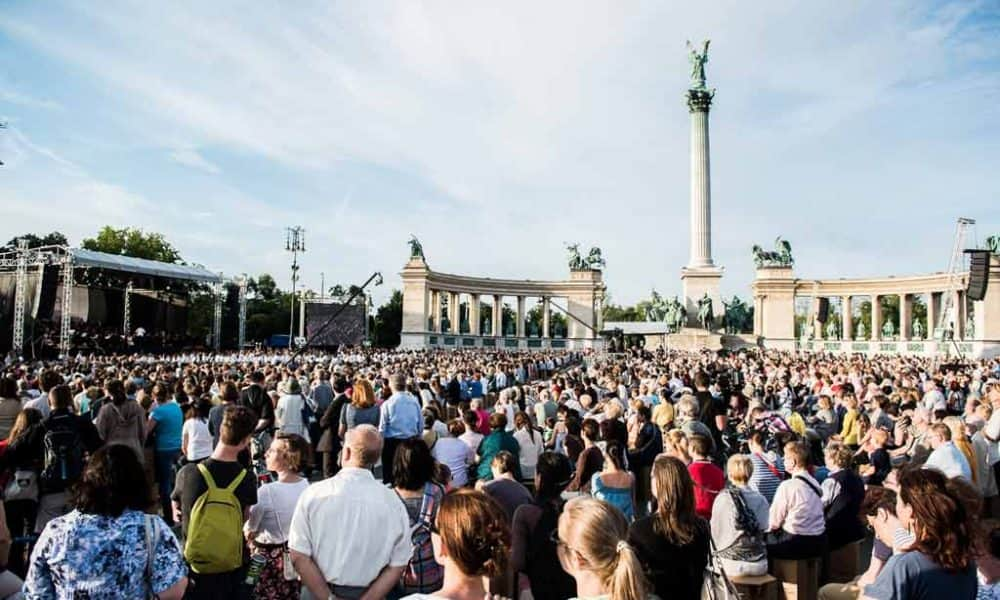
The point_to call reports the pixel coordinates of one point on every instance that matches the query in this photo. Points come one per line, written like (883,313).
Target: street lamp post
(295,242)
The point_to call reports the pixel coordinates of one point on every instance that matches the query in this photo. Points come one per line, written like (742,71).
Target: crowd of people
(467,474)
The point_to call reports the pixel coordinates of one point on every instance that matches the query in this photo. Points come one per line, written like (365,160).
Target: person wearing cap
(400,418)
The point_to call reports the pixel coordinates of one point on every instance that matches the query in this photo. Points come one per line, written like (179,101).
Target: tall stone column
(817,327)
(497,315)
(846,319)
(933,313)
(520,316)
(876,324)
(701,276)
(474,314)
(905,317)
(546,317)
(453,313)
(436,307)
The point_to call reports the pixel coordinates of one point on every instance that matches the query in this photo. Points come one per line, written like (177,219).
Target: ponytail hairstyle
(615,452)
(596,532)
(474,532)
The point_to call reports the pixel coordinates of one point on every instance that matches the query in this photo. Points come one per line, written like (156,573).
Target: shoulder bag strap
(427,504)
(818,491)
(770,466)
(148,526)
(274,509)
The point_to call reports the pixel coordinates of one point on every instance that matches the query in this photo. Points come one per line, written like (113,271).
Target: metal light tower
(295,242)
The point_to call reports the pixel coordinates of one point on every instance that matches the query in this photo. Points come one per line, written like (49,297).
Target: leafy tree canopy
(132,241)
(34,241)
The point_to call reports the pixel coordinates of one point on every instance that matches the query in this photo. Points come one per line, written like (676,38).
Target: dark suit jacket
(329,441)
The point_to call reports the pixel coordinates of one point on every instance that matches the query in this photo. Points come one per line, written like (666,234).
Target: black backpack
(63,452)
(548,580)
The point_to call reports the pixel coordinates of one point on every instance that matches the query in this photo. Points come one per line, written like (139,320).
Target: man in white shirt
(350,535)
(946,457)
(798,527)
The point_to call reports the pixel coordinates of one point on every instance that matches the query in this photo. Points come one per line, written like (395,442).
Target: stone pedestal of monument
(691,338)
(695,283)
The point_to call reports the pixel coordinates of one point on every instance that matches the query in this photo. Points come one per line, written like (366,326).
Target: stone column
(846,319)
(701,276)
(817,327)
(905,317)
(436,307)
(933,311)
(497,315)
(546,317)
(876,325)
(959,300)
(699,103)
(520,316)
(474,314)
(453,315)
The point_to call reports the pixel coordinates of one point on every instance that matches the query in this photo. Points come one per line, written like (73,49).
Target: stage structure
(121,273)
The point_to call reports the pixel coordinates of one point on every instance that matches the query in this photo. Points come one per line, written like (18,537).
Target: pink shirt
(798,506)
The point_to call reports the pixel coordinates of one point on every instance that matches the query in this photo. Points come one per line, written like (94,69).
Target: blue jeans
(164,464)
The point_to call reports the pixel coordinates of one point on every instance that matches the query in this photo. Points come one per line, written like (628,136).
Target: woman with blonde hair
(739,520)
(592,548)
(961,440)
(471,542)
(672,543)
(675,444)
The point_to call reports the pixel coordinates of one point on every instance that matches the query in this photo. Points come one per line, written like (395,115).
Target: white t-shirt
(271,517)
(531,449)
(457,456)
(199,439)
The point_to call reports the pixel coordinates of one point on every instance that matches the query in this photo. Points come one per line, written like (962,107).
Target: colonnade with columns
(440,299)
(949,314)
(433,315)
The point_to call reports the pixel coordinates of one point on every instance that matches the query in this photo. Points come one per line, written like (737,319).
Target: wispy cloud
(22,99)
(192,158)
(496,132)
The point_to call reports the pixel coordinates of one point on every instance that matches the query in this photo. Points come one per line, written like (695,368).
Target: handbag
(22,486)
(715,585)
(287,568)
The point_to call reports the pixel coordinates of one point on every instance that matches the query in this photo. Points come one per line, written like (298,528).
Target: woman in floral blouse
(99,550)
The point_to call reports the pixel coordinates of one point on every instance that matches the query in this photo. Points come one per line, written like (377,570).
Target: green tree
(264,287)
(616,312)
(388,321)
(34,241)
(132,241)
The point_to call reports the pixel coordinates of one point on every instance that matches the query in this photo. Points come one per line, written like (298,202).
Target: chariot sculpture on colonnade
(781,256)
(592,262)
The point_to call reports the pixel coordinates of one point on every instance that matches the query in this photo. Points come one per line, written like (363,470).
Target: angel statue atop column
(698,63)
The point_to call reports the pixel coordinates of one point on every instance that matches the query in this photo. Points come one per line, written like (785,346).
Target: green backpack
(215,531)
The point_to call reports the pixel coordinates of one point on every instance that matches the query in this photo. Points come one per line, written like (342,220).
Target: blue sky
(497,131)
